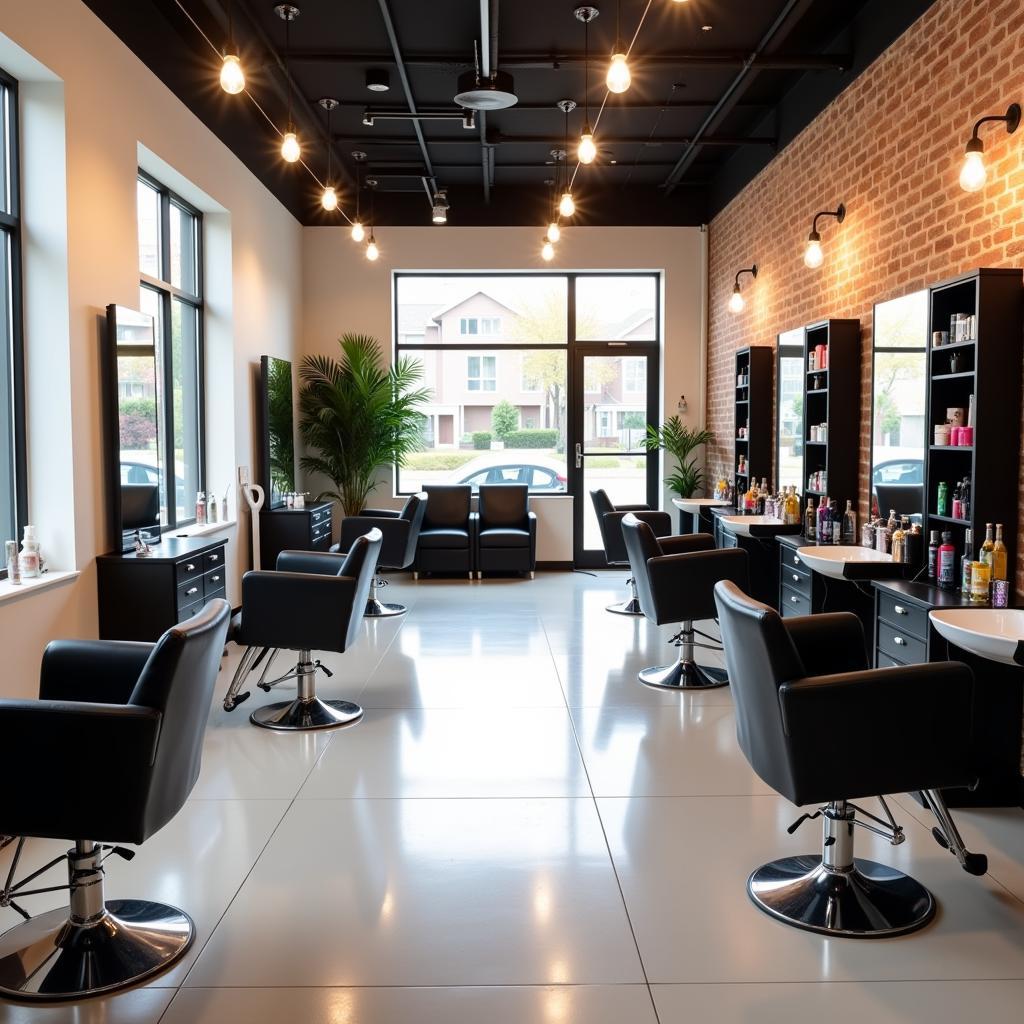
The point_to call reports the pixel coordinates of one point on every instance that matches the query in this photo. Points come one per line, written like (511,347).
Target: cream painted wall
(112,104)
(342,292)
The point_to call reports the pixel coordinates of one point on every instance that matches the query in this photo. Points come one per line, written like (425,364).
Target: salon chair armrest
(316,563)
(92,671)
(828,643)
(686,542)
(633,508)
(378,513)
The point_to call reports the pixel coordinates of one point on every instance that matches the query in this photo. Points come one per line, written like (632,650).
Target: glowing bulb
(554,232)
(736,302)
(329,200)
(973,173)
(618,78)
(358,232)
(372,252)
(547,252)
(232,78)
(813,255)
(290,148)
(587,151)
(566,206)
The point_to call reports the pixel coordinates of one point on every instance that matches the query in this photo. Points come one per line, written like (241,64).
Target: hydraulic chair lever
(948,837)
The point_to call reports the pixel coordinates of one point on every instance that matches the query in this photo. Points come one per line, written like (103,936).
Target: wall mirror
(898,398)
(789,410)
(135,470)
(278,430)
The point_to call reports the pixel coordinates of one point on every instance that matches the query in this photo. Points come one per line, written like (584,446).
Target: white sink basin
(994,633)
(833,559)
(694,505)
(740,525)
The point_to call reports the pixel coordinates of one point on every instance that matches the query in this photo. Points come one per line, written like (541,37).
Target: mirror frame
(787,351)
(266,476)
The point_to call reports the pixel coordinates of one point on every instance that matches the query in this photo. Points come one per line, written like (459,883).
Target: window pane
(185,395)
(183,269)
(616,309)
(482,394)
(437,310)
(5,150)
(8,492)
(148,202)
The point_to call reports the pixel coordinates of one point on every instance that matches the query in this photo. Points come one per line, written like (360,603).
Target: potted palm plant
(359,416)
(680,442)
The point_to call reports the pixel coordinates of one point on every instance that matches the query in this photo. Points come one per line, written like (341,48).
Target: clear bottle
(999,555)
(849,524)
(824,522)
(966,561)
(987,548)
(792,508)
(810,521)
(981,578)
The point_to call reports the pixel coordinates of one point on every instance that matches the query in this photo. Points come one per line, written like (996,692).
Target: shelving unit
(987,367)
(832,397)
(753,410)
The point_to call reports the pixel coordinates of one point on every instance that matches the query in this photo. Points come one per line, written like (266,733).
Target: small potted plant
(680,442)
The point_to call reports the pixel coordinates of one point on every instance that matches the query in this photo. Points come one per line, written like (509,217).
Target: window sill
(11,592)
(204,529)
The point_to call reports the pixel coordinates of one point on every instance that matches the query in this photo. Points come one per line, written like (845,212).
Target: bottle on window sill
(200,509)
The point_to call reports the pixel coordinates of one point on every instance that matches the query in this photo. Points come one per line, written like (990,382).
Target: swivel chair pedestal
(377,609)
(307,710)
(91,946)
(684,673)
(630,607)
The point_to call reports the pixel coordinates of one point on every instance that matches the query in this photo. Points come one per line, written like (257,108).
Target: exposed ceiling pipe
(488,61)
(550,141)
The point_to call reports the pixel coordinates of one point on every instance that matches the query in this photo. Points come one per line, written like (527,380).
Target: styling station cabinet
(294,529)
(140,597)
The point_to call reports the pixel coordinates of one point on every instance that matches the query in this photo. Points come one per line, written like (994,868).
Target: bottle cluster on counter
(759,499)
(898,537)
(982,580)
(827,525)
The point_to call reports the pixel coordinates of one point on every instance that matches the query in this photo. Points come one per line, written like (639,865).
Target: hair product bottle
(947,562)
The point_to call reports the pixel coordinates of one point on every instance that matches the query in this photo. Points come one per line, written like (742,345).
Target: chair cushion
(504,537)
(441,537)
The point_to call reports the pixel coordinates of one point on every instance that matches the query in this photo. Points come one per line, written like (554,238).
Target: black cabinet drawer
(188,610)
(900,645)
(793,603)
(791,558)
(190,591)
(214,560)
(906,617)
(794,579)
(882,660)
(213,584)
(189,568)
(321,542)
(320,517)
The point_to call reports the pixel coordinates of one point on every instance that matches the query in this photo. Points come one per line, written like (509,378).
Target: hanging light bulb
(554,232)
(566,206)
(290,148)
(232,78)
(372,252)
(329,199)
(618,78)
(736,302)
(587,151)
(813,255)
(358,232)
(973,173)
(547,252)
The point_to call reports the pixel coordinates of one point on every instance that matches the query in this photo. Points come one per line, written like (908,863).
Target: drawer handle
(796,578)
(795,600)
(899,641)
(191,590)
(899,609)
(216,579)
(214,558)
(190,567)
(796,559)
(316,517)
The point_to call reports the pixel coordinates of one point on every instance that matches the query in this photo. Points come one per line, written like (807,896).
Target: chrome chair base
(630,607)
(51,957)
(379,610)
(684,675)
(867,901)
(308,713)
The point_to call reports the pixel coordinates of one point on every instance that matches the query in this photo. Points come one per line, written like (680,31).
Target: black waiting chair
(609,518)
(400,529)
(313,602)
(110,751)
(447,541)
(506,535)
(819,727)
(675,577)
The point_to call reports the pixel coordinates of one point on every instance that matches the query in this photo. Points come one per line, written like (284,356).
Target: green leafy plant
(680,442)
(482,440)
(504,419)
(359,417)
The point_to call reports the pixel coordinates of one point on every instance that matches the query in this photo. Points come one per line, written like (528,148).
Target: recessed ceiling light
(706,28)
(378,80)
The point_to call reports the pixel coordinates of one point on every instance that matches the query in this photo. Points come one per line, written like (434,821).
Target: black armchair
(819,727)
(506,534)
(313,602)
(609,519)
(447,541)
(400,529)
(675,578)
(111,750)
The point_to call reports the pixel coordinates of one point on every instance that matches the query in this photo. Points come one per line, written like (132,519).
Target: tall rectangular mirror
(278,430)
(789,410)
(898,390)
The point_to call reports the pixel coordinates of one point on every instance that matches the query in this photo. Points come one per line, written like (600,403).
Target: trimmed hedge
(531,439)
(482,440)
(437,460)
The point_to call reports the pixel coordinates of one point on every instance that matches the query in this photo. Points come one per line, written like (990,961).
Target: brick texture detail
(890,147)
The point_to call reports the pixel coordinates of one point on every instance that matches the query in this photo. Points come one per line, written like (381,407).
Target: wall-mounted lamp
(681,405)
(736,302)
(973,174)
(812,254)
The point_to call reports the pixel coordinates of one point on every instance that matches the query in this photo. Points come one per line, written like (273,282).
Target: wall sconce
(973,174)
(812,254)
(736,302)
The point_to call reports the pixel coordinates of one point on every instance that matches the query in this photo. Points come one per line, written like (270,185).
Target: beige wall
(112,104)
(343,292)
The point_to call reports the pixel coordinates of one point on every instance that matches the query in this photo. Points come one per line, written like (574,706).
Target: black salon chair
(400,529)
(506,535)
(609,518)
(675,577)
(313,602)
(819,727)
(109,752)
(447,540)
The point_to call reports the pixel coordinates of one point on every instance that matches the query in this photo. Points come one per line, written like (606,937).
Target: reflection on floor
(519,832)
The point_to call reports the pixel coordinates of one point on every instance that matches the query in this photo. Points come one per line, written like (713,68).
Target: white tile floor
(519,832)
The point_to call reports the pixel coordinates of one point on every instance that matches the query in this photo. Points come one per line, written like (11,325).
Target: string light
(619,78)
(358,232)
(566,205)
(329,197)
(232,78)
(587,151)
(372,252)
(290,148)
(291,151)
(554,232)
(547,252)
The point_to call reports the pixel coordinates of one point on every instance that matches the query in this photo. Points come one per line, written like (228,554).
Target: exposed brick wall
(890,147)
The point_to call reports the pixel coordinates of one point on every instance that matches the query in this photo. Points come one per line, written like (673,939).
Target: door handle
(579,455)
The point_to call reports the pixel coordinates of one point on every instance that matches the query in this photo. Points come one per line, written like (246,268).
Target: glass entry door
(614,398)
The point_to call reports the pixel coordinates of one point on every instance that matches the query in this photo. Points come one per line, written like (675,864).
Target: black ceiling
(707,108)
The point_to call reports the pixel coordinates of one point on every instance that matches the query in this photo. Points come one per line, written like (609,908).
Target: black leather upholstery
(400,529)
(314,601)
(507,529)
(609,518)
(817,725)
(112,748)
(448,533)
(675,576)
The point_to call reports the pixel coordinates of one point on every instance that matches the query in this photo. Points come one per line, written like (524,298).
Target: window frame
(11,235)
(167,293)
(481,378)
